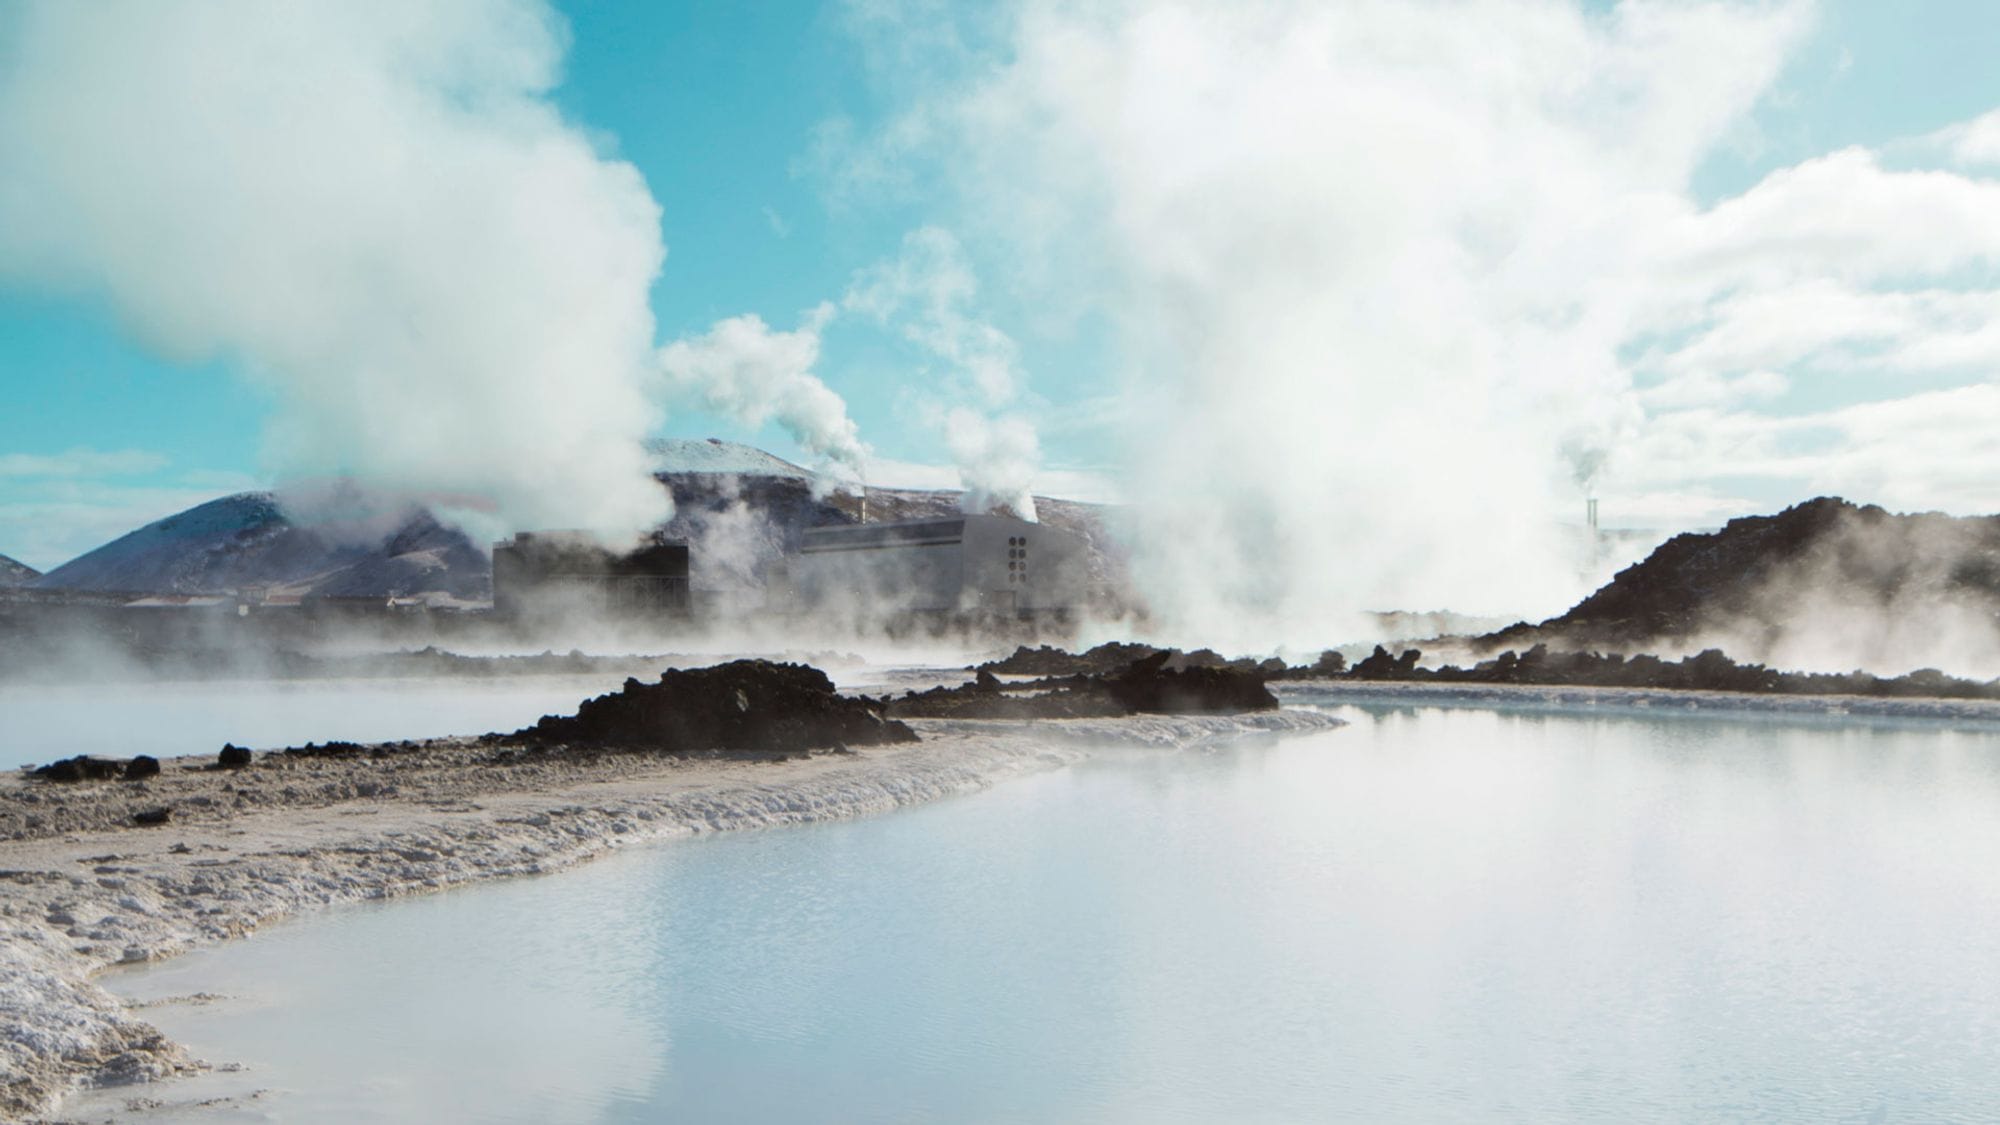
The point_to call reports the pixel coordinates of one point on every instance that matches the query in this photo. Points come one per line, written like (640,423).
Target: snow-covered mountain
(16,573)
(248,540)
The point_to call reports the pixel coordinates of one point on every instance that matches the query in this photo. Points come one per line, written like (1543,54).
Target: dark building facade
(568,572)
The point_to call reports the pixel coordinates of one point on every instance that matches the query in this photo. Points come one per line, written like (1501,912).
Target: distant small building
(564,572)
(996,565)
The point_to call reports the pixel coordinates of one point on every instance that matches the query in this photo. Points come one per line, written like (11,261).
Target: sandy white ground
(82,889)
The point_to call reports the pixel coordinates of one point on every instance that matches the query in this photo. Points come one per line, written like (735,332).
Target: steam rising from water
(376,210)
(1373,265)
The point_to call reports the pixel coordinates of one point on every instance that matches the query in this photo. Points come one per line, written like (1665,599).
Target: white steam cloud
(743,369)
(927,292)
(1373,265)
(997,459)
(372,207)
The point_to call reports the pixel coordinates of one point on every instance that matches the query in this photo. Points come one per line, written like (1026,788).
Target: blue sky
(716,104)
(810,156)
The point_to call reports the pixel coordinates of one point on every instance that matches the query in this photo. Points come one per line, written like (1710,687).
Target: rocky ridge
(1822,576)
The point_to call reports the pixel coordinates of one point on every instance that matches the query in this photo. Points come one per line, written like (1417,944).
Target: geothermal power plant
(908,573)
(755,541)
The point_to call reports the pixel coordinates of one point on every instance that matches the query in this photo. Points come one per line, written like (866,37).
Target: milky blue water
(1431,915)
(40,723)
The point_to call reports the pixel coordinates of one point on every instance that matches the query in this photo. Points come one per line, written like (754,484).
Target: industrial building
(542,573)
(983,565)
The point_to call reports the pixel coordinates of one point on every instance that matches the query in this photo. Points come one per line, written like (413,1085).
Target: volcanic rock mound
(1825,584)
(745,705)
(83,767)
(1148,685)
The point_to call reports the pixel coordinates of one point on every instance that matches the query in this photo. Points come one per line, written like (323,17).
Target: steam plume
(375,209)
(996,458)
(927,292)
(1373,265)
(743,369)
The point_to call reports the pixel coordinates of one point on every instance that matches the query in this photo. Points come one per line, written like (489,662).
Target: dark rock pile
(1152,687)
(1147,685)
(1709,670)
(83,767)
(1103,660)
(335,749)
(1079,697)
(742,706)
(1116,656)
(1379,665)
(1154,684)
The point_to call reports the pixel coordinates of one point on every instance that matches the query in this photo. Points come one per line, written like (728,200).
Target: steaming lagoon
(1433,914)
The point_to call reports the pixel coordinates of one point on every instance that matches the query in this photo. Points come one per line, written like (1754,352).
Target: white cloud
(1841,216)
(1704,387)
(1927,451)
(929,291)
(1974,143)
(47,521)
(81,462)
(1083,485)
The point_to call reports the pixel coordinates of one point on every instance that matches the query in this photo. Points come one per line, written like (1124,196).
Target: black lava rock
(83,767)
(745,706)
(1149,686)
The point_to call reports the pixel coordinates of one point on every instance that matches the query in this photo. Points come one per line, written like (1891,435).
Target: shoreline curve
(86,890)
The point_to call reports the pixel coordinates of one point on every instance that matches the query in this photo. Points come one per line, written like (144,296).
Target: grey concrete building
(994,565)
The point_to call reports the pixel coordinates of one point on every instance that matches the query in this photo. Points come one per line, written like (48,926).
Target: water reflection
(1434,915)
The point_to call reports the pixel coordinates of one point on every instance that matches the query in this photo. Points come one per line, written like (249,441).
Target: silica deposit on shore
(88,888)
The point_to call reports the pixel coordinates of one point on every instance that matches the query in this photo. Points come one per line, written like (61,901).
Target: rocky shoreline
(1710,670)
(87,887)
(1981,715)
